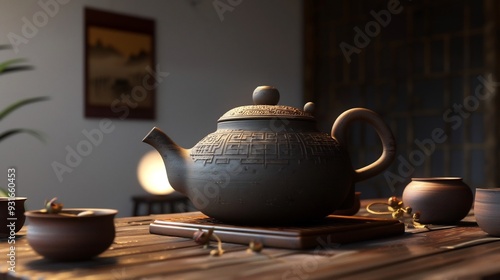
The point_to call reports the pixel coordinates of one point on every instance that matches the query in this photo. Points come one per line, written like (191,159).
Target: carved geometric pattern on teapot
(265,147)
(265,110)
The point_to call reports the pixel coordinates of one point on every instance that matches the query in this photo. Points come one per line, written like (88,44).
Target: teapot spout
(175,158)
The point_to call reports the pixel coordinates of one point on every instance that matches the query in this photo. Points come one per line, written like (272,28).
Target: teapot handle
(339,132)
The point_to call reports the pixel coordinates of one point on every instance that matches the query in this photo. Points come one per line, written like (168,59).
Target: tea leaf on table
(52,207)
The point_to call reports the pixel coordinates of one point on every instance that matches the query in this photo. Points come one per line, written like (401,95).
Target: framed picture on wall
(120,76)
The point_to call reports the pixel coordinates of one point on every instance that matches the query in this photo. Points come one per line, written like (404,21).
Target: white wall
(214,65)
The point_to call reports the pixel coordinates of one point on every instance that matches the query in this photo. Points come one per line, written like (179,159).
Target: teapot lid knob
(266,95)
(265,99)
(309,107)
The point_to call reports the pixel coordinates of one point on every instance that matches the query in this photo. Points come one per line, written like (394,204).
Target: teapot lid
(266,99)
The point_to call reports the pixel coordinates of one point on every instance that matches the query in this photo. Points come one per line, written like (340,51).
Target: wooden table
(138,254)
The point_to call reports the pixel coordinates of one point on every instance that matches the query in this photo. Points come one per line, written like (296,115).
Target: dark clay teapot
(268,163)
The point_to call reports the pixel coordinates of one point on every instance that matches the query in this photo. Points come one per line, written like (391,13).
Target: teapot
(268,164)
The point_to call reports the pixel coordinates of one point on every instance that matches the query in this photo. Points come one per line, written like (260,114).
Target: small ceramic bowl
(487,210)
(68,237)
(439,200)
(11,215)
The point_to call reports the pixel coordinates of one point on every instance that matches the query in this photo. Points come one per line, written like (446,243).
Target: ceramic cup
(71,238)
(440,200)
(487,210)
(11,215)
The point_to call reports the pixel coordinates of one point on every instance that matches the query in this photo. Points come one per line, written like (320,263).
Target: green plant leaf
(15,131)
(6,66)
(16,69)
(9,66)
(20,103)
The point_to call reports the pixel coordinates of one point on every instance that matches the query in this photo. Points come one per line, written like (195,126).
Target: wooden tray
(332,230)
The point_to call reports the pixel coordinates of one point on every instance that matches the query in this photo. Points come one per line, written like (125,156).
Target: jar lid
(266,99)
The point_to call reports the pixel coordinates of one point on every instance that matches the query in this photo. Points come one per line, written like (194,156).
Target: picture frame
(120,64)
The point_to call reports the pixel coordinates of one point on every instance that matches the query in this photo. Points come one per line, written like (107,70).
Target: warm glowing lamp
(152,174)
